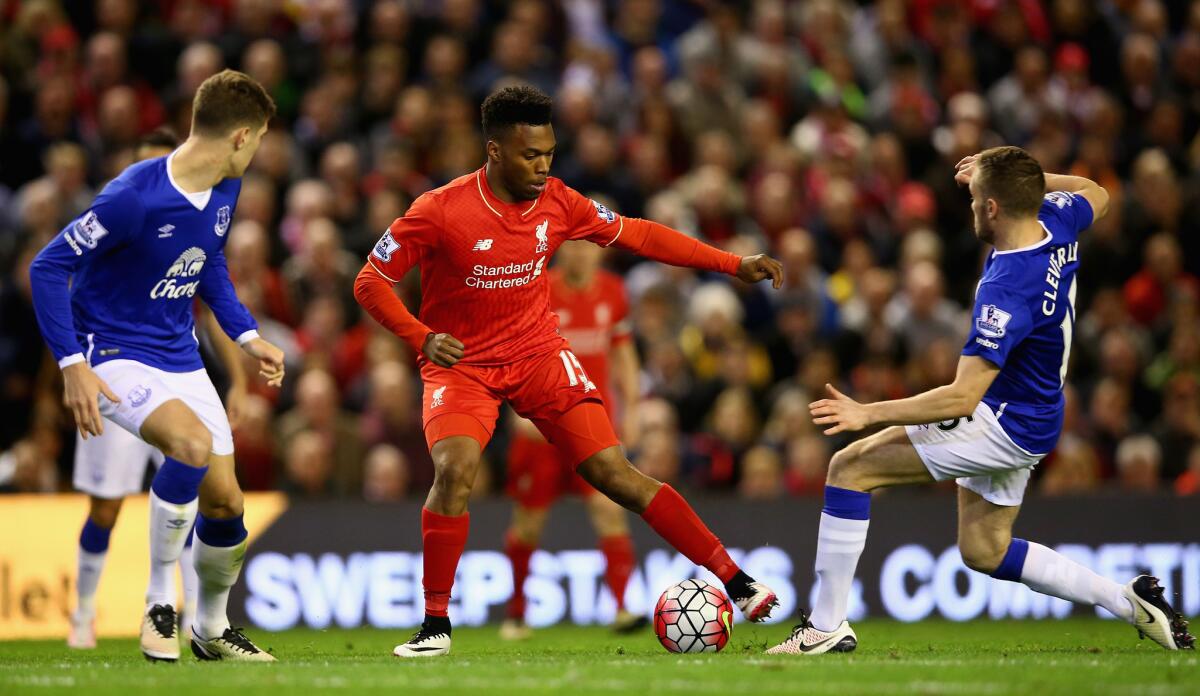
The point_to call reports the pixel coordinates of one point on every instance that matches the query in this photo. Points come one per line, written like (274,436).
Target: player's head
(1008,185)
(158,143)
(520,138)
(233,109)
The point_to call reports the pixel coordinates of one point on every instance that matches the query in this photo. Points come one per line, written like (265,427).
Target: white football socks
(170,523)
(839,544)
(187,570)
(217,569)
(1052,573)
(90,566)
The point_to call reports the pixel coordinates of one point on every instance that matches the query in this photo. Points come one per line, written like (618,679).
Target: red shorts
(551,389)
(538,475)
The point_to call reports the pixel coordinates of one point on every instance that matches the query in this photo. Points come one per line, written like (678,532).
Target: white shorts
(977,453)
(142,389)
(112,465)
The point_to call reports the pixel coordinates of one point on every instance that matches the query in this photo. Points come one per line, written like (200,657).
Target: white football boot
(807,640)
(1153,616)
(159,640)
(431,641)
(232,645)
(757,605)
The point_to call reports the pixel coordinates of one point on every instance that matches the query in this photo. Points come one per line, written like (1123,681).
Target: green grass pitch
(1079,656)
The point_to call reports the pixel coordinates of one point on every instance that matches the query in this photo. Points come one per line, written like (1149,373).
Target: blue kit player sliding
(1002,414)
(114,295)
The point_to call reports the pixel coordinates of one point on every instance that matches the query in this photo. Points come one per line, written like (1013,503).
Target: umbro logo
(482,245)
(177,524)
(165,231)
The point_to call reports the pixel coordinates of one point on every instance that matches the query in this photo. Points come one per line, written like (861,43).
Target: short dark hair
(1014,178)
(160,137)
(229,100)
(512,106)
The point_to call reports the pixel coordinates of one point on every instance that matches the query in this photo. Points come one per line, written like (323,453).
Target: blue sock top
(177,482)
(1014,561)
(847,504)
(230,532)
(94,538)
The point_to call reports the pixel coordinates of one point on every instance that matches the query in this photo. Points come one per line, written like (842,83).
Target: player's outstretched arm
(661,243)
(840,413)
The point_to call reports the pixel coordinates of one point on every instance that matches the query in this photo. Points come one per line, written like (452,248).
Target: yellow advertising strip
(39,547)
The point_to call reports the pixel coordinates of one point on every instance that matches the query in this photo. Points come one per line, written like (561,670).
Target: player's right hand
(81,391)
(443,349)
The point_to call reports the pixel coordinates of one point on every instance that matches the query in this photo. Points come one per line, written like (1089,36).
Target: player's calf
(674,520)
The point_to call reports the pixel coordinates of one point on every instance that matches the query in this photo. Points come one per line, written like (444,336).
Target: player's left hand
(965,169)
(270,360)
(844,414)
(760,267)
(235,404)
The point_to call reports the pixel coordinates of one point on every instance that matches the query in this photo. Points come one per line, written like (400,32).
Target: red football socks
(443,538)
(675,521)
(618,564)
(518,553)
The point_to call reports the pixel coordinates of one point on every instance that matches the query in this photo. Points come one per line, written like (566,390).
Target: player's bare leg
(93,547)
(194,479)
(886,458)
(444,525)
(524,533)
(611,523)
(987,546)
(669,514)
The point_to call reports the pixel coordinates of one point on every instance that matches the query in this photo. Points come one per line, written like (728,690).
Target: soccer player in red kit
(486,335)
(593,316)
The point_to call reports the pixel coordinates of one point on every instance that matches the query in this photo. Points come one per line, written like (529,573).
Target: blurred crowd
(824,132)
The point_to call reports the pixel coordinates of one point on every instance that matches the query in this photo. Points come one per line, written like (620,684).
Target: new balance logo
(482,245)
(165,231)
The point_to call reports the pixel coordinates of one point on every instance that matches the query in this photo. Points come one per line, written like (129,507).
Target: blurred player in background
(1002,414)
(486,335)
(114,295)
(593,316)
(110,466)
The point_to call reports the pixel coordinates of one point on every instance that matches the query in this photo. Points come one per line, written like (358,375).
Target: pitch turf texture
(1079,656)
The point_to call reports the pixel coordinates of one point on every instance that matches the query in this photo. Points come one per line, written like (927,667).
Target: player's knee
(843,471)
(192,447)
(983,556)
(453,477)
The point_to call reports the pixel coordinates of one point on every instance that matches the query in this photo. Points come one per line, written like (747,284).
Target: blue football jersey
(1023,321)
(133,263)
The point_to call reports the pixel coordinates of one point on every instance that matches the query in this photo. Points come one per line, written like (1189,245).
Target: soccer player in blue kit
(1002,414)
(114,294)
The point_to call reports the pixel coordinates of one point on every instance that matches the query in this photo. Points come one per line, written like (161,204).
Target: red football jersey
(593,320)
(484,262)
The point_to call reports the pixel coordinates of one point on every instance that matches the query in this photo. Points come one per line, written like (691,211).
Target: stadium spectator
(823,132)
(1139,462)
(319,413)
(386,476)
